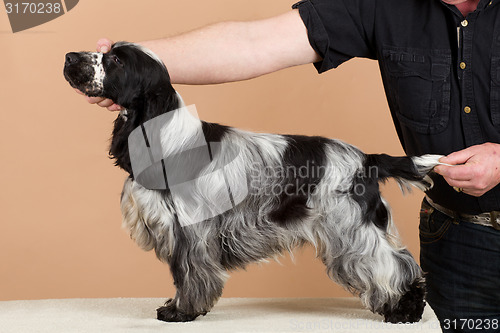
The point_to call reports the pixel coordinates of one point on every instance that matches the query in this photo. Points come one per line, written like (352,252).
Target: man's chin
(454,2)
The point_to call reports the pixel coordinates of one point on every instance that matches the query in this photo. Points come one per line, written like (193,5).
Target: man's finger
(104,45)
(115,107)
(455,172)
(94,100)
(459,184)
(105,103)
(473,193)
(458,157)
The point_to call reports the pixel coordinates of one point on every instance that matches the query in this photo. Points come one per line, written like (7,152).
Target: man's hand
(475,170)
(103,45)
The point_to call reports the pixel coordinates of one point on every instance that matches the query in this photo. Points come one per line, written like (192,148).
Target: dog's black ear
(131,97)
(160,104)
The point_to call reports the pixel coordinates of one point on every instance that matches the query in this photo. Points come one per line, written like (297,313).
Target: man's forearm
(234,51)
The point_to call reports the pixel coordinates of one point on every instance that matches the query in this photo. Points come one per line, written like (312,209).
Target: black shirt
(441,72)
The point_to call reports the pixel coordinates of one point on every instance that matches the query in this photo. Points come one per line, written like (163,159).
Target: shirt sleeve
(339,30)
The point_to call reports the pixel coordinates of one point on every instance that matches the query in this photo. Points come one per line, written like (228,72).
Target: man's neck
(467,7)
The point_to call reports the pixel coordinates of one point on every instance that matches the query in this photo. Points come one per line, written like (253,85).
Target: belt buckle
(493,219)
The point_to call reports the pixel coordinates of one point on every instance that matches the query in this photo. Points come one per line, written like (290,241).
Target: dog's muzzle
(84,71)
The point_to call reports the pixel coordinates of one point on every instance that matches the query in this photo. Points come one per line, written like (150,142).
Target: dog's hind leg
(367,260)
(198,277)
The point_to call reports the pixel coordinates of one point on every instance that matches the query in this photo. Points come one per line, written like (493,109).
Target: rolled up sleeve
(339,30)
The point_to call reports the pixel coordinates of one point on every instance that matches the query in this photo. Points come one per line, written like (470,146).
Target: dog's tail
(405,170)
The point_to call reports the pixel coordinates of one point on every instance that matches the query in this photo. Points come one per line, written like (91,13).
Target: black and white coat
(340,212)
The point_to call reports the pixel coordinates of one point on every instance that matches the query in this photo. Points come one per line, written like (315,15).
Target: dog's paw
(171,313)
(410,307)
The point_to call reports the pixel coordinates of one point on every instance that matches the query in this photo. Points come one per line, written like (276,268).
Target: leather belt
(489,219)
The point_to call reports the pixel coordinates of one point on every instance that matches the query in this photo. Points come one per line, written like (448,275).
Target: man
(440,64)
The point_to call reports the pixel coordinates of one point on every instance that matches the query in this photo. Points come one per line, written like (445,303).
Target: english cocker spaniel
(210,198)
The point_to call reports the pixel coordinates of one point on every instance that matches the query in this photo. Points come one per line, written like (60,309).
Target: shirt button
(467,109)
(463,65)
(464,23)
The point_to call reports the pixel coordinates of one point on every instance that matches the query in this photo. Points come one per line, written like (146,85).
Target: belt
(488,219)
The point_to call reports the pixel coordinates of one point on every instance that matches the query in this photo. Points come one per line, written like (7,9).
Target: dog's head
(128,74)
(132,77)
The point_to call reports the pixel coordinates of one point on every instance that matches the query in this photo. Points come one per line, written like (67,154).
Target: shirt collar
(480,6)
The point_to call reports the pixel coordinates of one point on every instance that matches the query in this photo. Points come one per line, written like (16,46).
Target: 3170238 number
(471,324)
(32,8)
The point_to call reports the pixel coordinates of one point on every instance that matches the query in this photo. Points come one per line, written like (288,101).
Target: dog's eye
(117,60)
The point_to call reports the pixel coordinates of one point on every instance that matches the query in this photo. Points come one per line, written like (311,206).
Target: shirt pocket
(495,92)
(419,87)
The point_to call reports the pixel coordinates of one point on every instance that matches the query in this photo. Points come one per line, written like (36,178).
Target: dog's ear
(131,97)
(157,105)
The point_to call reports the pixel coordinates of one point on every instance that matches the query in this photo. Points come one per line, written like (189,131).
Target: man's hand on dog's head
(103,45)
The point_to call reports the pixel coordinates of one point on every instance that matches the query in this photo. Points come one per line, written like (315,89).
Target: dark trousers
(462,265)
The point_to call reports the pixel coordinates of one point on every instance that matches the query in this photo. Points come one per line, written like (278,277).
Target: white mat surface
(230,315)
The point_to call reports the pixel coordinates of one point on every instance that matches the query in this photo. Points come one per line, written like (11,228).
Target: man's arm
(231,51)
(235,51)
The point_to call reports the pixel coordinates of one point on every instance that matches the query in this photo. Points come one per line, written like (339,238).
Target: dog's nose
(72,58)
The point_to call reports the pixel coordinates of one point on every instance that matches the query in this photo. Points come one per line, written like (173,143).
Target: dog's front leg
(196,294)
(199,279)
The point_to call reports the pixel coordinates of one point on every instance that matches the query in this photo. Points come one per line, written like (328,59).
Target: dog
(338,209)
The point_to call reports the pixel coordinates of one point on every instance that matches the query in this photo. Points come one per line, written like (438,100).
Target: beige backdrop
(60,233)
